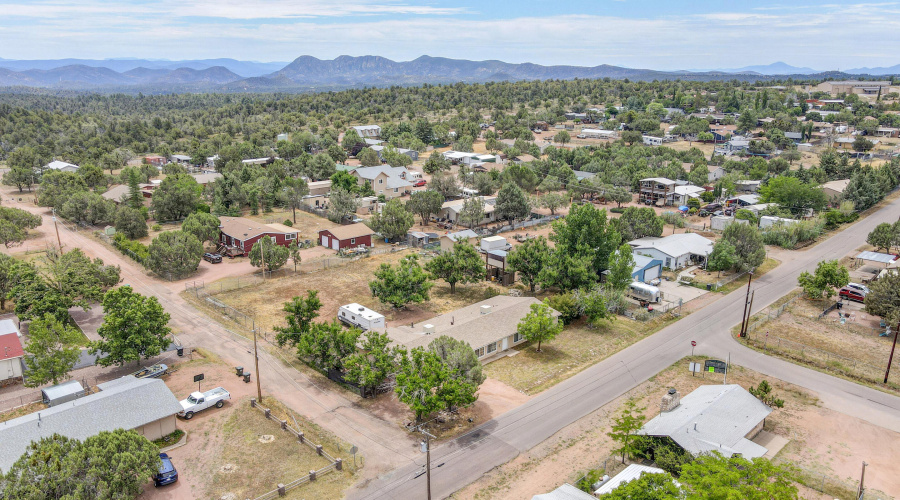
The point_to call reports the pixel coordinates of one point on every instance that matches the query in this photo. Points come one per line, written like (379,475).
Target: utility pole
(891,357)
(58,241)
(427,449)
(862,478)
(746,302)
(256,367)
(749,312)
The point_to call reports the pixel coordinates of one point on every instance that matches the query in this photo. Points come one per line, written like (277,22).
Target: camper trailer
(361,317)
(643,293)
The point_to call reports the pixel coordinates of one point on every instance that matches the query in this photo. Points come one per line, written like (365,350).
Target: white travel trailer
(643,292)
(361,317)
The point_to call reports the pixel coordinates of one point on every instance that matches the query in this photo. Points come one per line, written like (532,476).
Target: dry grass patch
(22,411)
(573,350)
(257,456)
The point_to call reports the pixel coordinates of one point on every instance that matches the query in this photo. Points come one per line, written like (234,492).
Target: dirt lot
(821,442)
(852,349)
(573,350)
(230,437)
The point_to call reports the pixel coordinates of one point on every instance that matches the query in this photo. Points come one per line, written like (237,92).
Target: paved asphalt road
(461,461)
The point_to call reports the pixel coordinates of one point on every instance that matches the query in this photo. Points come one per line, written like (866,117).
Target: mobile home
(646,293)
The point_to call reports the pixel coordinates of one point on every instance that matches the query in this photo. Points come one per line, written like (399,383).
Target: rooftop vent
(485,309)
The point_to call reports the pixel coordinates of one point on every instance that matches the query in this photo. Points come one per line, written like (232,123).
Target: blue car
(167,473)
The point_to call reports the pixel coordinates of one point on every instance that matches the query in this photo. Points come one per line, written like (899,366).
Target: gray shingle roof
(713,418)
(121,404)
(564,492)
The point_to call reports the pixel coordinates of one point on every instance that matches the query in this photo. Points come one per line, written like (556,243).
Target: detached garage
(352,235)
(646,268)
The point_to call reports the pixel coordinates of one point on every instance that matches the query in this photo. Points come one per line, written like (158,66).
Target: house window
(479,352)
(274,239)
(517,338)
(352,241)
(381,181)
(491,347)
(290,236)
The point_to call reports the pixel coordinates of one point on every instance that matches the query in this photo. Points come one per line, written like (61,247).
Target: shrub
(137,250)
(567,306)
(617,210)
(789,236)
(157,227)
(288,223)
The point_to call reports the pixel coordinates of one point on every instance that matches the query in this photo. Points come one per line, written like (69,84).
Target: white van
(468,192)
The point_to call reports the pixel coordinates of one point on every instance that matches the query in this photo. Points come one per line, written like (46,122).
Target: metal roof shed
(62,393)
(881,258)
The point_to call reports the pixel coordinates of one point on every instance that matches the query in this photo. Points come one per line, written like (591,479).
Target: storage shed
(62,393)
(346,236)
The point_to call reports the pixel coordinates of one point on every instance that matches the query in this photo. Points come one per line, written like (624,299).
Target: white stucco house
(676,250)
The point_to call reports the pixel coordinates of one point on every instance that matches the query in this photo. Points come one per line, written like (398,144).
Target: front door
(505,344)
(325,241)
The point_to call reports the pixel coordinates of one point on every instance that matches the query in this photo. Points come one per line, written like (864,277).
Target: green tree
(445,184)
(512,203)
(56,187)
(713,476)
(394,220)
(351,138)
(883,298)
(420,373)
(539,325)
(341,203)
(344,180)
(884,236)
(134,327)
(621,267)
(19,177)
(44,471)
(370,367)
(562,137)
(368,157)
(484,184)
(204,226)
(130,222)
(861,144)
(593,305)
(401,285)
(647,487)
(176,197)
(629,420)
(322,166)
(10,274)
(639,222)
(748,246)
(830,274)
(174,254)
(93,175)
(268,253)
(134,199)
(763,392)
(528,259)
(632,137)
(425,204)
(300,315)
(294,251)
(586,232)
(460,265)
(327,345)
(567,270)
(14,225)
(794,193)
(472,212)
(459,358)
(553,201)
(52,350)
(723,257)
(89,208)
(436,163)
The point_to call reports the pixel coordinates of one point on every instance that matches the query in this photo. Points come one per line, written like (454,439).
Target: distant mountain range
(310,73)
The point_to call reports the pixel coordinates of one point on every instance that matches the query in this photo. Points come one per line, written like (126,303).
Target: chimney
(429,329)
(670,401)
(485,309)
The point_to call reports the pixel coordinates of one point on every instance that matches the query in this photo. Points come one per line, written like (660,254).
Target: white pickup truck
(199,401)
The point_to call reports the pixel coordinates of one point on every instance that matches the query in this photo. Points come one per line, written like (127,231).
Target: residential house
(351,235)
(722,418)
(390,181)
(155,160)
(144,405)
(451,210)
(733,146)
(373,142)
(887,132)
(457,157)
(412,153)
(11,356)
(237,235)
(650,140)
(565,492)
(769,221)
(715,173)
(582,175)
(722,133)
(835,189)
(630,473)
(120,192)
(747,186)
(523,158)
(259,161)
(489,326)
(541,125)
(181,159)
(450,239)
(596,133)
(368,131)
(676,250)
(657,191)
(685,193)
(743,200)
(319,188)
(759,208)
(796,137)
(847,142)
(854,87)
(206,178)
(61,166)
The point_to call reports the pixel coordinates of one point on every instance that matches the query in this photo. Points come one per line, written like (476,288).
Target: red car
(419,183)
(851,294)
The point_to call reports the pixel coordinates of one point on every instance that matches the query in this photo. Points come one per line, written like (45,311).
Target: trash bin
(247,377)
(708,287)
(239,370)
(180,351)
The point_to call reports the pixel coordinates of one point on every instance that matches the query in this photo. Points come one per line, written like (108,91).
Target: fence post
(300,437)
(268,413)
(319,449)
(339,464)
(252,402)
(312,475)
(281,490)
(284,425)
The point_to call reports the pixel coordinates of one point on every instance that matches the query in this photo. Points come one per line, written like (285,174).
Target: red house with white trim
(237,235)
(352,235)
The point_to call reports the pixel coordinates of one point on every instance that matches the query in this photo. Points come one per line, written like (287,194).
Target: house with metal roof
(630,473)
(9,326)
(61,166)
(451,210)
(565,492)
(144,405)
(676,250)
(489,327)
(721,418)
(835,189)
(384,179)
(449,239)
(645,268)
(657,190)
(365,131)
(11,355)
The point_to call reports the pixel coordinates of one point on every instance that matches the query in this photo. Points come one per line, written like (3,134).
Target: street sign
(714,366)
(693,343)
(198,378)
(695,367)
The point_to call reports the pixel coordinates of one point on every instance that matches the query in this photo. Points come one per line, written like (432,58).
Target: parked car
(851,294)
(859,288)
(581,136)
(419,183)
(712,207)
(154,371)
(212,258)
(199,401)
(167,473)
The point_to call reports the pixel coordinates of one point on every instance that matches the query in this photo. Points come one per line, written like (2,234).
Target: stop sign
(693,343)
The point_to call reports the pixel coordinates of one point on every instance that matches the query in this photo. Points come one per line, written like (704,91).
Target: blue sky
(635,33)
